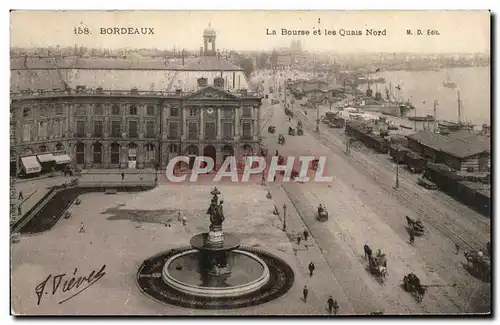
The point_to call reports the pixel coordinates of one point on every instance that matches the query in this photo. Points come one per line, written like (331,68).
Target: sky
(459,31)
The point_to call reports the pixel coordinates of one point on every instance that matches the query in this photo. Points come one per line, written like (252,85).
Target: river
(423,87)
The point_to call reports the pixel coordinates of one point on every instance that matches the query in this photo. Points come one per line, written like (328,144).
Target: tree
(247,66)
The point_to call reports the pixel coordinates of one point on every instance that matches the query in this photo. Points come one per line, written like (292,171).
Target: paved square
(124,229)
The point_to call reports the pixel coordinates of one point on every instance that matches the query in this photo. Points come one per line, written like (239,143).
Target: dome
(209,31)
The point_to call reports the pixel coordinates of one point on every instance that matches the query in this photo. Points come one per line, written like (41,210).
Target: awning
(45,157)
(62,159)
(31,165)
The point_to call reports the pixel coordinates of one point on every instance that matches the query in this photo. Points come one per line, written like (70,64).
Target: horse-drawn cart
(479,264)
(291,131)
(271,129)
(322,214)
(415,227)
(378,266)
(281,139)
(411,283)
(300,130)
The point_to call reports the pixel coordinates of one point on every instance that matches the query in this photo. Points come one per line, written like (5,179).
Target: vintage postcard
(303,163)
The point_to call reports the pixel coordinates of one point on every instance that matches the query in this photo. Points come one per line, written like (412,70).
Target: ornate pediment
(211,93)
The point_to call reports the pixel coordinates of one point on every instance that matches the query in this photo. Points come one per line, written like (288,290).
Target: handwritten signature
(68,284)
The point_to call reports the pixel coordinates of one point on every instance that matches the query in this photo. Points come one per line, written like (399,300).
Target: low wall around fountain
(201,291)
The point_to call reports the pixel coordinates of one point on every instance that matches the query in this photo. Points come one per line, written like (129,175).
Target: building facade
(137,128)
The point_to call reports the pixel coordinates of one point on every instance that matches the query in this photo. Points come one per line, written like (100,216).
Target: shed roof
(210,63)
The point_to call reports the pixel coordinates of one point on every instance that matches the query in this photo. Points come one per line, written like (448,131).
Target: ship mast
(459,107)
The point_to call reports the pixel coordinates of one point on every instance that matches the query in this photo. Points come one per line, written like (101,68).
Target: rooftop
(460,144)
(210,63)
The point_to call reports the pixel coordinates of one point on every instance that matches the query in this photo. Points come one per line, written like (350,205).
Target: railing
(93,92)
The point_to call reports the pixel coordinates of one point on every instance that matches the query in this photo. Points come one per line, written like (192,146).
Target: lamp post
(317,117)
(284,217)
(397,174)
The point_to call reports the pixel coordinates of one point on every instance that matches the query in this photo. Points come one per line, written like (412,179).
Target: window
(219,82)
(150,129)
(150,153)
(115,109)
(173,148)
(174,111)
(174,130)
(151,110)
(26,112)
(192,131)
(228,130)
(132,129)
(192,112)
(26,132)
(99,109)
(43,112)
(116,129)
(247,128)
(57,128)
(115,154)
(247,111)
(80,154)
(227,113)
(42,130)
(81,110)
(59,109)
(210,131)
(97,153)
(133,110)
(43,148)
(59,147)
(80,128)
(97,128)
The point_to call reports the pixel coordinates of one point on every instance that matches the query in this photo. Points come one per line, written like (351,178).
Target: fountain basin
(248,274)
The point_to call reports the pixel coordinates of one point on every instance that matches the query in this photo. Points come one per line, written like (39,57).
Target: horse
(368,251)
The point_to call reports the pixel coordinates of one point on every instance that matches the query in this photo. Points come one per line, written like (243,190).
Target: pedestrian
(330,305)
(335,307)
(311,269)
(82,228)
(305,292)
(123,175)
(289,119)
(457,249)
(21,197)
(183,221)
(412,239)
(306,234)
(19,211)
(298,239)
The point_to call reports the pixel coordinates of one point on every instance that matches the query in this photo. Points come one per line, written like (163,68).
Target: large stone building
(101,113)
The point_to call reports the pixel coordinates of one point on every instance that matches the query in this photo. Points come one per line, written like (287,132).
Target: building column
(183,123)
(106,159)
(237,124)
(218,156)
(123,156)
(202,126)
(218,124)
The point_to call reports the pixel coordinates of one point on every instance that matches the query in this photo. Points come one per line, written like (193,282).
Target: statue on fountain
(216,213)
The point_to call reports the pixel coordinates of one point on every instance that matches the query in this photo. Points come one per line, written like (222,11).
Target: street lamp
(397,174)
(284,217)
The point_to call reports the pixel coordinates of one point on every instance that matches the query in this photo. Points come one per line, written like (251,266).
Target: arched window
(80,153)
(43,148)
(115,153)
(149,153)
(173,148)
(97,153)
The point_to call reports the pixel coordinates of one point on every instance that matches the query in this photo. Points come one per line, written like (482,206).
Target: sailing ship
(391,105)
(451,126)
(449,84)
